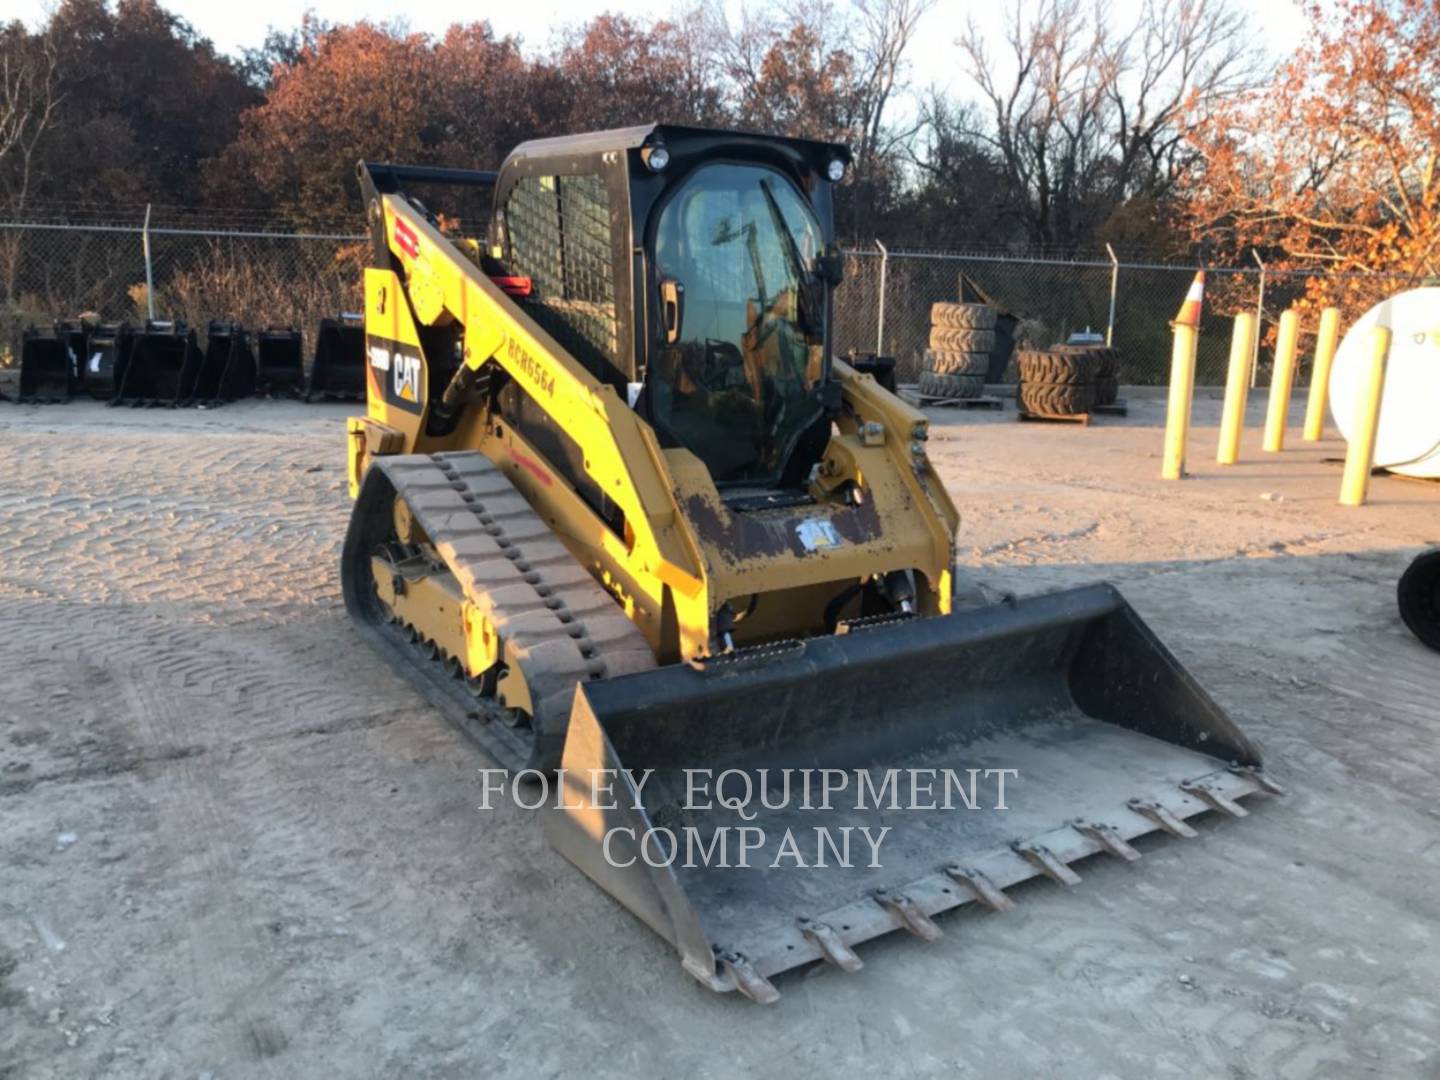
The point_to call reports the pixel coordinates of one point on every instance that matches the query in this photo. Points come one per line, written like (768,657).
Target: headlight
(656,158)
(836,170)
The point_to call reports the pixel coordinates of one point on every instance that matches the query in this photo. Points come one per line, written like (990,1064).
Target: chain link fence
(258,278)
(884,306)
(126,274)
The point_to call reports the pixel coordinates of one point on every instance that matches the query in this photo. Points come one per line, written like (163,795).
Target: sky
(934,58)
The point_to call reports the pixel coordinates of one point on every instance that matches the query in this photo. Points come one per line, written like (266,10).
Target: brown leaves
(1334,166)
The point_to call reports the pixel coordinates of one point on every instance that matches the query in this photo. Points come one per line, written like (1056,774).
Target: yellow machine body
(879,506)
(578,580)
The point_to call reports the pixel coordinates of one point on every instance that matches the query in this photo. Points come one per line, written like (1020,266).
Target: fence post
(880,322)
(1259,322)
(149,273)
(1114,284)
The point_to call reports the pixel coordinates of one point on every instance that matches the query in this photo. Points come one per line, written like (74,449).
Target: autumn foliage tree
(365,91)
(143,101)
(1337,165)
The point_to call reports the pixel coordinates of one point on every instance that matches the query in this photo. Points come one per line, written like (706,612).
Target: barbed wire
(216,219)
(192,221)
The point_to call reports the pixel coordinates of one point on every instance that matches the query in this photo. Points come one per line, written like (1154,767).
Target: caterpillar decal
(394,373)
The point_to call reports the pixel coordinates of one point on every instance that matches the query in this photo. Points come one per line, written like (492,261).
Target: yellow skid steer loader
(619,513)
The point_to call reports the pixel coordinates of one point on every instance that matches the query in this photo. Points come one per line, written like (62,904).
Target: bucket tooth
(1259,777)
(909,914)
(1162,817)
(1071,689)
(1044,860)
(1214,798)
(985,890)
(749,981)
(824,938)
(1108,838)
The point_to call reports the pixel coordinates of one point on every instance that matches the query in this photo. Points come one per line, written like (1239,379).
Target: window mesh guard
(559,235)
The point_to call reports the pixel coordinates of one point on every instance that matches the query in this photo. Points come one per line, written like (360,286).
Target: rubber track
(562,626)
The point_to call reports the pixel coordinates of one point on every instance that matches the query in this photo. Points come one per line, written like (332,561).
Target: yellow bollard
(1360,455)
(1182,393)
(1281,380)
(1237,389)
(1325,344)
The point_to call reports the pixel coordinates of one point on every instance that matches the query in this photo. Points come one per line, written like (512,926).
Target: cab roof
(630,138)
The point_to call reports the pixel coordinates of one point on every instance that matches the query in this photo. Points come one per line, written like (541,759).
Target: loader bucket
(227,369)
(1108,736)
(45,368)
(280,364)
(339,368)
(76,336)
(164,362)
(108,356)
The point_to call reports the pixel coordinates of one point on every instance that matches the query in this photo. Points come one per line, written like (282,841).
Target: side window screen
(559,236)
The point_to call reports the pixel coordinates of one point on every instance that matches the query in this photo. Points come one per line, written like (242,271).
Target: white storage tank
(1408,441)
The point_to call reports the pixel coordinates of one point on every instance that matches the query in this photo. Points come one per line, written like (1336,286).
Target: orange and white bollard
(1182,379)
(1282,380)
(1360,455)
(1237,389)
(1326,342)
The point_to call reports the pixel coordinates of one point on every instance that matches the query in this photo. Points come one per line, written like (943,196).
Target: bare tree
(882,38)
(29,97)
(1182,59)
(830,71)
(1083,117)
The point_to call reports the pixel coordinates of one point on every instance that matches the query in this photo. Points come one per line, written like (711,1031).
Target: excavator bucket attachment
(164,363)
(339,369)
(107,360)
(75,333)
(1096,730)
(46,370)
(227,370)
(280,364)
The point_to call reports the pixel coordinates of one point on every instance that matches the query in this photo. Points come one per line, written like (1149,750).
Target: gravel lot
(233,844)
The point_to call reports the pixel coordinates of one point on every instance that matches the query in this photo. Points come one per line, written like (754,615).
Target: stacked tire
(1107,375)
(961,339)
(1060,381)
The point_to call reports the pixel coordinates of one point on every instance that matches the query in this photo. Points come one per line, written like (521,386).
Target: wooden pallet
(1083,419)
(986,402)
(1118,407)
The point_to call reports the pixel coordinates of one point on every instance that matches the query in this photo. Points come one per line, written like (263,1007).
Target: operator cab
(692,269)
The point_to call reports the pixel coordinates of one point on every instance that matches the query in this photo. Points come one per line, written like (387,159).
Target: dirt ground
(233,844)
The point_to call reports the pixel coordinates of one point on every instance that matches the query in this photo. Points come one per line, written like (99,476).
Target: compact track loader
(618,512)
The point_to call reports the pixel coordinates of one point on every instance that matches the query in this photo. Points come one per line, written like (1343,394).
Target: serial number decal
(533,369)
(818,534)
